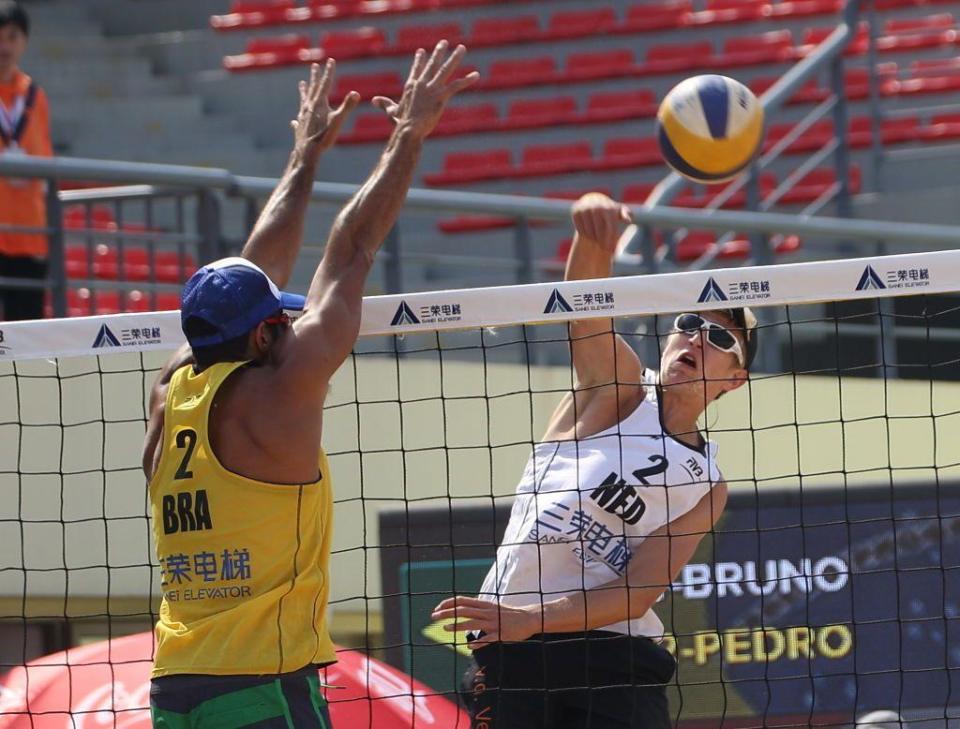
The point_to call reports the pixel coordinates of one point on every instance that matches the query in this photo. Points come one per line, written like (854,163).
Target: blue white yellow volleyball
(710,128)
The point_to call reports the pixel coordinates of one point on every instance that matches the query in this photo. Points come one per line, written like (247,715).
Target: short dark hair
(12,13)
(233,350)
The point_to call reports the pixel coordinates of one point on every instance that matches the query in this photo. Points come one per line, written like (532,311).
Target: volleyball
(709,128)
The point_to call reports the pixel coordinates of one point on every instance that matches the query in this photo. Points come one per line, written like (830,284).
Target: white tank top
(583,507)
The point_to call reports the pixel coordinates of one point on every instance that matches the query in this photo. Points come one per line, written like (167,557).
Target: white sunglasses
(718,336)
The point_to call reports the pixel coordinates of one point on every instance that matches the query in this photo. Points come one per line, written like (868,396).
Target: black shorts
(593,680)
(266,702)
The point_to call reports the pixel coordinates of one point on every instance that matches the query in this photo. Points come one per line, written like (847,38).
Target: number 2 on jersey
(186,438)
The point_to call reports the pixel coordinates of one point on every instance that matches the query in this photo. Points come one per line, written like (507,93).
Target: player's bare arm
(325,334)
(607,369)
(277,236)
(655,564)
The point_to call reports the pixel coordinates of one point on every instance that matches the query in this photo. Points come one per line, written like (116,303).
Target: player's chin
(678,374)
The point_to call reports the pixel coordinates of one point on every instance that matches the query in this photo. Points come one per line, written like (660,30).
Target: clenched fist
(600,219)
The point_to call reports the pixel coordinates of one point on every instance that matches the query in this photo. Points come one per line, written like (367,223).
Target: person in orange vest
(24,129)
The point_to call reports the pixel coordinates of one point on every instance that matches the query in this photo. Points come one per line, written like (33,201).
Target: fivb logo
(556,304)
(870,280)
(711,292)
(105,338)
(404,315)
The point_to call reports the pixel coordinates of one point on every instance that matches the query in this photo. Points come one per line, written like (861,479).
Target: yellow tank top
(244,564)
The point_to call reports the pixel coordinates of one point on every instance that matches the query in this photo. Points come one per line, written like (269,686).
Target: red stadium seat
(599,65)
(691,199)
(616,106)
(368,85)
(630,152)
(942,127)
(465,119)
(818,182)
(369,128)
(356,43)
(698,242)
(533,113)
(503,31)
(260,6)
(940,21)
(170,267)
(773,47)
(515,73)
(858,46)
(581,23)
(462,167)
(100,217)
(553,159)
(928,84)
(576,194)
(892,131)
(819,133)
(810,92)
(638,192)
(677,57)
(283,44)
(655,16)
(413,37)
(803,8)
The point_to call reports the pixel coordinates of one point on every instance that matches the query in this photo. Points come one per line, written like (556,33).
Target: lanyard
(13,121)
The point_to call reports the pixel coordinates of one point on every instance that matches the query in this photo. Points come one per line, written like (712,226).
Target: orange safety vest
(22,202)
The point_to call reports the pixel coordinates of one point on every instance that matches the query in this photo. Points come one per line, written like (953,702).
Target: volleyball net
(828,590)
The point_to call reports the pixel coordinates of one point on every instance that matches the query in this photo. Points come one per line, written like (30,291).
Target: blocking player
(239,486)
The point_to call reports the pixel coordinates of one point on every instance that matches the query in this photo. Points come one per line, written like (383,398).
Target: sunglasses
(718,336)
(281,318)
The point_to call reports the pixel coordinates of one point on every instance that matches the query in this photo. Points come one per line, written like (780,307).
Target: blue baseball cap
(232,296)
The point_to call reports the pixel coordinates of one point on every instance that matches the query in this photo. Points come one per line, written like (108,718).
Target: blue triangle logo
(105,338)
(711,292)
(870,280)
(556,304)
(404,315)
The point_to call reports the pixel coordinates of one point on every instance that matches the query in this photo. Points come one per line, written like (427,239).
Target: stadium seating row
(632,152)
(84,302)
(810,187)
(102,261)
(771,47)
(606,107)
(696,243)
(661,15)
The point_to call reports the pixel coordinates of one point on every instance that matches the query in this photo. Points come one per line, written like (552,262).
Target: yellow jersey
(244,563)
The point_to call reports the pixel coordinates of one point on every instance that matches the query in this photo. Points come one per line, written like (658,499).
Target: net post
(57,267)
(523,250)
(648,247)
(211,245)
(392,271)
(841,120)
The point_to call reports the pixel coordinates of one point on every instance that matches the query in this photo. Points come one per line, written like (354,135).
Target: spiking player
(239,486)
(612,504)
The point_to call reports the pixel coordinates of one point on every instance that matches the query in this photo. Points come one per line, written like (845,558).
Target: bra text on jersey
(188,512)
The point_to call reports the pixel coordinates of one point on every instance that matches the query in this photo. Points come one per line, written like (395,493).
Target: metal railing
(198,194)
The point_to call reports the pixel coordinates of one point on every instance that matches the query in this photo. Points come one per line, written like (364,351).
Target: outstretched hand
(496,622)
(428,89)
(317,124)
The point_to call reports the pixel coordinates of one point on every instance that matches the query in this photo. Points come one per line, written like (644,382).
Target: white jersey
(583,507)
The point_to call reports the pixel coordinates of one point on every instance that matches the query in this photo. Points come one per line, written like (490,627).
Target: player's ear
(261,338)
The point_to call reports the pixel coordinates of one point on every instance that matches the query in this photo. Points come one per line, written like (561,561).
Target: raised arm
(653,567)
(327,331)
(607,370)
(277,236)
(599,356)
